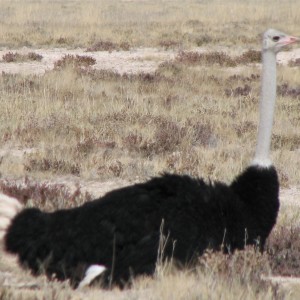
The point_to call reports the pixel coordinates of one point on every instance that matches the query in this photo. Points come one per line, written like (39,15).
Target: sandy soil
(144,60)
(141,60)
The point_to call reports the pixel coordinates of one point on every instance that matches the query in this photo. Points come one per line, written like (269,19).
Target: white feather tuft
(263,163)
(91,273)
(9,207)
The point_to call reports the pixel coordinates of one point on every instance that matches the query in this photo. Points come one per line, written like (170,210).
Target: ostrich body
(118,235)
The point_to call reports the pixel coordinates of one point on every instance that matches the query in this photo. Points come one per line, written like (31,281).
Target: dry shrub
(29,132)
(90,142)
(34,56)
(109,75)
(51,164)
(64,41)
(167,137)
(169,101)
(108,46)
(246,266)
(106,75)
(17,57)
(239,91)
(186,162)
(11,57)
(76,62)
(285,90)
(194,23)
(207,58)
(18,84)
(242,78)
(203,134)
(289,142)
(132,141)
(250,56)
(116,168)
(220,58)
(244,128)
(169,69)
(203,39)
(294,62)
(44,195)
(283,248)
(169,44)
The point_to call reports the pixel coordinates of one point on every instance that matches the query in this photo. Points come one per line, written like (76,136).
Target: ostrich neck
(266,107)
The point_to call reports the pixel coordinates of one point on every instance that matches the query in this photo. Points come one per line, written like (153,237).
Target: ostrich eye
(276,38)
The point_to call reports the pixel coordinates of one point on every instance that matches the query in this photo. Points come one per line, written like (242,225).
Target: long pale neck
(266,107)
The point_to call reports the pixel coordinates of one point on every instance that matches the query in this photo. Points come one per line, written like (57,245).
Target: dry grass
(197,115)
(142,23)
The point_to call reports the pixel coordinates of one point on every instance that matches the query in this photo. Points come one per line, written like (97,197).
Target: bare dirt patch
(143,60)
(140,60)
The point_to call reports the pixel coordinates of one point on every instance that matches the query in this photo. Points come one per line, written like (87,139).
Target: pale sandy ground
(140,60)
(134,61)
(144,60)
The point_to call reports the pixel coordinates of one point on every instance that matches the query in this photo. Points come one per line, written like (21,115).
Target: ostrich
(117,237)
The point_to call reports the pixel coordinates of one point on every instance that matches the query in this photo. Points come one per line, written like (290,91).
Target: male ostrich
(118,235)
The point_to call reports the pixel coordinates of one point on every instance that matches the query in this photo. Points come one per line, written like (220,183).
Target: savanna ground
(100,94)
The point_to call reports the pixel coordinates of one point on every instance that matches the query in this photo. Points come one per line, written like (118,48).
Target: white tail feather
(91,273)
(9,207)
(2,234)
(4,222)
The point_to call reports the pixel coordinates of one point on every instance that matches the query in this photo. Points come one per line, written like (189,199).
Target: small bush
(239,91)
(248,265)
(283,248)
(220,58)
(294,62)
(34,56)
(168,135)
(169,44)
(242,78)
(250,56)
(207,58)
(17,57)
(203,134)
(285,90)
(76,62)
(11,57)
(108,46)
(53,165)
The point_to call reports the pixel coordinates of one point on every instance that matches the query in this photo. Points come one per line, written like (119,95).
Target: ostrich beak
(289,40)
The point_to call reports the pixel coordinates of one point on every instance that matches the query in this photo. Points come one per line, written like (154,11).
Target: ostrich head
(275,40)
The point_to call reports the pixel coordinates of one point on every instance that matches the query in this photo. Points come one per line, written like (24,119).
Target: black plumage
(121,230)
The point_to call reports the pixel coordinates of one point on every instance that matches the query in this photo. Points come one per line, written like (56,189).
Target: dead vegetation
(219,58)
(108,46)
(17,57)
(77,62)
